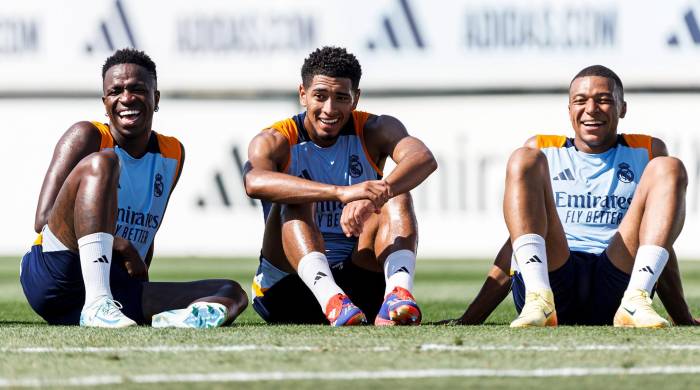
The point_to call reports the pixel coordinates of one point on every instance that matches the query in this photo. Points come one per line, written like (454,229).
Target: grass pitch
(255,355)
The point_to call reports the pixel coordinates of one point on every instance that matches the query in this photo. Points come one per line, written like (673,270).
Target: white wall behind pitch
(458,207)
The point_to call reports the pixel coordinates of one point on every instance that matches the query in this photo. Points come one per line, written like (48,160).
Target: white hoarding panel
(249,45)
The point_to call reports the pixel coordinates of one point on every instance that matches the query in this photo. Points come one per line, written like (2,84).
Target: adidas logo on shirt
(647,269)
(402,269)
(564,175)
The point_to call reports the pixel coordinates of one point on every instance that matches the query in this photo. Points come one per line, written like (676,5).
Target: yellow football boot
(636,311)
(538,310)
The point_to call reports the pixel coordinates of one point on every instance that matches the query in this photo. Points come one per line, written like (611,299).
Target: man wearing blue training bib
(103,200)
(592,221)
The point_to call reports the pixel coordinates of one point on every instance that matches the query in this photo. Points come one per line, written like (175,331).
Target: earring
(155,109)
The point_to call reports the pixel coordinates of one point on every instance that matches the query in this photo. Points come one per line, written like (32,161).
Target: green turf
(443,289)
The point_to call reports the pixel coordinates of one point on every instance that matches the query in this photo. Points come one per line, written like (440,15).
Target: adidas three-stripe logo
(690,32)
(647,269)
(533,259)
(399,29)
(564,175)
(113,32)
(102,259)
(320,275)
(402,269)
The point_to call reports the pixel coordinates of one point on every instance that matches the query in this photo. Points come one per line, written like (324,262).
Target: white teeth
(129,113)
(329,121)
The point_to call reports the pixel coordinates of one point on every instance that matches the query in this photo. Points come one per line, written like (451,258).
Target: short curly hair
(130,55)
(601,71)
(331,61)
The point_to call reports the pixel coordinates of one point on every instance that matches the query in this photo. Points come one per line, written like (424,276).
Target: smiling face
(595,107)
(329,103)
(130,98)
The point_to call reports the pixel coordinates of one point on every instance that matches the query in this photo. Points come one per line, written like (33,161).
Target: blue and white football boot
(105,313)
(197,315)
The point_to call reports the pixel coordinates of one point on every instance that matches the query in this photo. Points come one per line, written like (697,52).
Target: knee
(232,290)
(526,161)
(402,204)
(290,212)
(101,165)
(398,208)
(398,217)
(668,170)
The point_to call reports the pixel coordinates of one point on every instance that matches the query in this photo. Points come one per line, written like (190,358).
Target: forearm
(494,291)
(53,181)
(283,188)
(412,170)
(78,141)
(670,290)
(40,219)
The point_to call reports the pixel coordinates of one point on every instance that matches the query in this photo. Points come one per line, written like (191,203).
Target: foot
(197,315)
(538,310)
(340,311)
(399,308)
(105,313)
(636,312)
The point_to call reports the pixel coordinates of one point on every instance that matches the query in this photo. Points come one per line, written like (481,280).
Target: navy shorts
(587,289)
(53,285)
(284,298)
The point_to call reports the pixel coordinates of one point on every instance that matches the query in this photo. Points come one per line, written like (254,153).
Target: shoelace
(111,307)
(643,302)
(538,304)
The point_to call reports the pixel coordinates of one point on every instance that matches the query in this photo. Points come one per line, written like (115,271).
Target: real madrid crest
(355,167)
(624,173)
(158,185)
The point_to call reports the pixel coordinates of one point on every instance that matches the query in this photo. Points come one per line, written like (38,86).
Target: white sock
(648,265)
(314,271)
(399,269)
(95,252)
(531,254)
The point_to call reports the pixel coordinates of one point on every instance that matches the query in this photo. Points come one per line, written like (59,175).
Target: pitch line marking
(276,348)
(584,347)
(345,375)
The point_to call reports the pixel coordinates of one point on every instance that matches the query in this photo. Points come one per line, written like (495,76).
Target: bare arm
(387,136)
(658,148)
(268,153)
(670,290)
(531,142)
(77,142)
(494,290)
(670,287)
(498,281)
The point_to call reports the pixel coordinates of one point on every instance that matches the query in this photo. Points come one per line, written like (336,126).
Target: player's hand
(354,216)
(125,251)
(376,191)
